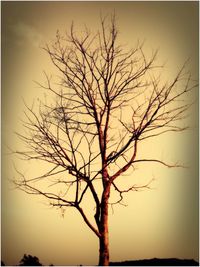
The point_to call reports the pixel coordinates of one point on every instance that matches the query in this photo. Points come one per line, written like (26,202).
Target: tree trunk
(104,247)
(104,240)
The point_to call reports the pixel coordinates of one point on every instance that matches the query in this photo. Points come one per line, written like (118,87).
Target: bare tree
(107,101)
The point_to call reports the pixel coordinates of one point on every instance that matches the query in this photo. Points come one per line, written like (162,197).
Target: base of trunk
(104,251)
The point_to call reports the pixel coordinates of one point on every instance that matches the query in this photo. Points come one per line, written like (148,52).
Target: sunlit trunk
(104,246)
(104,239)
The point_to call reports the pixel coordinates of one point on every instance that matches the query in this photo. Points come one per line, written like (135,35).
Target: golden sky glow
(162,222)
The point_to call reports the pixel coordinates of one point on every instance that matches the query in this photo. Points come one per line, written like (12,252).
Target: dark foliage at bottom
(29,260)
(156,262)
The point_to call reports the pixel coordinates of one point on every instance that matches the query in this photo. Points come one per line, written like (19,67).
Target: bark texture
(104,238)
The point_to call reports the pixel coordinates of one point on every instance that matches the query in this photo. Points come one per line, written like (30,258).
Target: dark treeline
(157,262)
(29,260)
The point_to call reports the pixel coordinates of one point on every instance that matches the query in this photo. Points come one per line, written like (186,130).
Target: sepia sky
(161,222)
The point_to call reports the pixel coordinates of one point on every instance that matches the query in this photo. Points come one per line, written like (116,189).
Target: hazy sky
(162,222)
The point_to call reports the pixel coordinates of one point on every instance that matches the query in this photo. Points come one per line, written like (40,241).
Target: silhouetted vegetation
(156,262)
(29,260)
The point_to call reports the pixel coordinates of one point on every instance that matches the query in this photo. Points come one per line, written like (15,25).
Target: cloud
(26,33)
